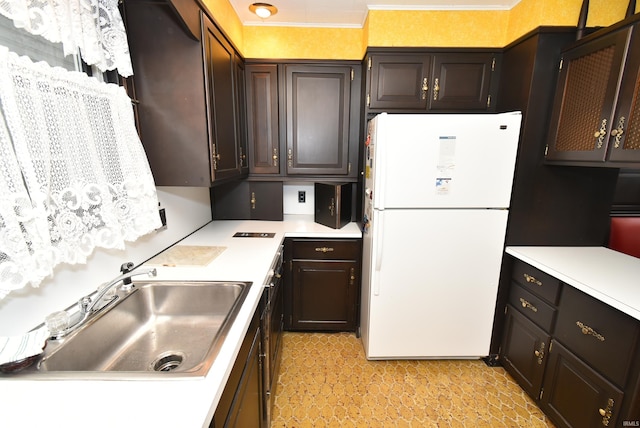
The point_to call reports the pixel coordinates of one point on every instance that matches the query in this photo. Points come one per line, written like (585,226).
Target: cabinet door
(318,100)
(247,200)
(220,81)
(169,82)
(398,81)
(584,101)
(241,116)
(262,119)
(461,81)
(523,351)
(576,396)
(324,295)
(246,409)
(625,144)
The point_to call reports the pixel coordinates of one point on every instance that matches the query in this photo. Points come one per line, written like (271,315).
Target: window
(35,47)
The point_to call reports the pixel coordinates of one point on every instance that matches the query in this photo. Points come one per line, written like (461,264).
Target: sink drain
(168,362)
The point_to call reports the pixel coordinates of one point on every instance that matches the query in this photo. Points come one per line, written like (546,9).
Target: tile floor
(325,381)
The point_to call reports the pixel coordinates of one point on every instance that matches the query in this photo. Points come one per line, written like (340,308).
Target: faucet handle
(126,268)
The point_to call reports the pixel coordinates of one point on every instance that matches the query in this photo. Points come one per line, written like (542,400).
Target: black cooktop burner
(254,235)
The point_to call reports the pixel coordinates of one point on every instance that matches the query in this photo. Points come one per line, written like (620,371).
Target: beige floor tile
(326,381)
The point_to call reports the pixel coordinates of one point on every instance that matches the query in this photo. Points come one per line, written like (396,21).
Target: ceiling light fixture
(263,10)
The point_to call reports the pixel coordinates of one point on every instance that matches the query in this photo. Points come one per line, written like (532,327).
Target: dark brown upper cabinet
(431,81)
(462,81)
(247,200)
(262,118)
(596,112)
(190,119)
(303,119)
(320,122)
(241,116)
(221,88)
(398,81)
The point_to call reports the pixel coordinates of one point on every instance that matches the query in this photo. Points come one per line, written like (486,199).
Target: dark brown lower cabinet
(241,402)
(524,348)
(576,395)
(575,355)
(322,284)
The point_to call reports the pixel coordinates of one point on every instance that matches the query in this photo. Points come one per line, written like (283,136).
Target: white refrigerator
(437,193)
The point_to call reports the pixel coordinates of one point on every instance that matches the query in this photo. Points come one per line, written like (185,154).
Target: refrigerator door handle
(378,246)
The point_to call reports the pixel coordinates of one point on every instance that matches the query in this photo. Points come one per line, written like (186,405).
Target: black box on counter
(333,204)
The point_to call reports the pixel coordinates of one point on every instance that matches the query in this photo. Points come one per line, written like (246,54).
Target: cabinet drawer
(536,281)
(326,249)
(532,307)
(601,335)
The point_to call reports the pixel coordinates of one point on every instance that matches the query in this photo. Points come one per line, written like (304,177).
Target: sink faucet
(88,305)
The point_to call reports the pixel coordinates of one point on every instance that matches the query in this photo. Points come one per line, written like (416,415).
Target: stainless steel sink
(161,327)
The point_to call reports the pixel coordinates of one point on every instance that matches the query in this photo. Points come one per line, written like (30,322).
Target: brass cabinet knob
(602,412)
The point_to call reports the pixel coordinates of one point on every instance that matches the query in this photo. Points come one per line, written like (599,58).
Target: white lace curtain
(73,172)
(94,27)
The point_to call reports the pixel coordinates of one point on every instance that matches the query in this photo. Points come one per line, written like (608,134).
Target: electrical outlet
(163,218)
(302,196)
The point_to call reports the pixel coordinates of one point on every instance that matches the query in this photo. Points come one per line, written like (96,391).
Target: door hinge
(561,63)
(488,101)
(550,347)
(546,149)
(541,393)
(353,74)
(349,168)
(505,310)
(368,100)
(369,63)
(493,64)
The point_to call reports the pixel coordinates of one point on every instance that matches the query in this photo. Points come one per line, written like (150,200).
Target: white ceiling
(351,13)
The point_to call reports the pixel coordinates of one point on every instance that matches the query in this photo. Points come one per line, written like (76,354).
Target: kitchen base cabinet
(575,395)
(523,351)
(576,356)
(322,284)
(241,402)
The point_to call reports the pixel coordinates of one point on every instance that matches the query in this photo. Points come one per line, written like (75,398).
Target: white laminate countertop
(607,275)
(82,400)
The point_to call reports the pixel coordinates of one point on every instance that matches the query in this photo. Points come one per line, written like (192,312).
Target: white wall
(187,209)
(290,198)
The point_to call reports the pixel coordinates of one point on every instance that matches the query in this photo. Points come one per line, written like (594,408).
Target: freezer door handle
(378,246)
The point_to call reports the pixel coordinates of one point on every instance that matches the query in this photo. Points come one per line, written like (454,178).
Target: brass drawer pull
(540,353)
(600,134)
(617,133)
(532,279)
(436,89)
(606,413)
(588,330)
(526,304)
(324,249)
(424,88)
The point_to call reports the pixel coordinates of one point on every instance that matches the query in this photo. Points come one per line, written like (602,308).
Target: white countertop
(81,401)
(609,276)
